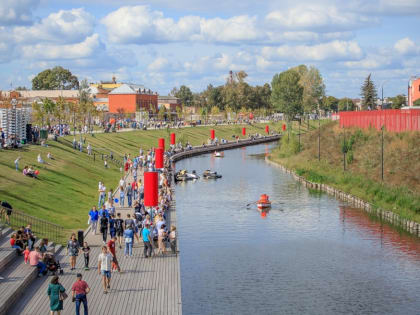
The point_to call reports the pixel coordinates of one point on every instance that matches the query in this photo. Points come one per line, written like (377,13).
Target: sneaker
(105,291)
(108,287)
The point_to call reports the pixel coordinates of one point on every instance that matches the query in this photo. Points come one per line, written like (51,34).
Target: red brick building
(131,98)
(413,91)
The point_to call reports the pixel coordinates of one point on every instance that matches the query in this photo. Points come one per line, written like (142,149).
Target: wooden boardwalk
(145,286)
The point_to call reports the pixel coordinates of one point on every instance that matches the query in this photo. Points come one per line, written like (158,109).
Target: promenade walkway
(145,286)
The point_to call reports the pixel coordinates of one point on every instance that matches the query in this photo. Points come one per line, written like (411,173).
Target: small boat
(218,154)
(263,203)
(211,175)
(183,175)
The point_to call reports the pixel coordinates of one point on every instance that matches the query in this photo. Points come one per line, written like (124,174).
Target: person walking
(112,230)
(129,194)
(147,240)
(172,239)
(86,254)
(102,193)
(6,209)
(93,219)
(56,293)
(161,240)
(119,227)
(111,249)
(129,240)
(122,196)
(73,249)
(104,227)
(89,148)
(17,163)
(79,291)
(104,268)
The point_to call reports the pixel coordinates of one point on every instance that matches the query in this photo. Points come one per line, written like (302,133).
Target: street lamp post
(382,154)
(14,103)
(319,139)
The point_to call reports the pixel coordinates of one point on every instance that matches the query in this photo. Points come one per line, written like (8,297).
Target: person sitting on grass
(49,155)
(40,160)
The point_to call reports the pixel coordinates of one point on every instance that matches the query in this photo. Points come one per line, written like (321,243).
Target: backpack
(118,225)
(104,223)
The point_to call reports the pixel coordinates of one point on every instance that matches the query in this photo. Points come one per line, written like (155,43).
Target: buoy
(173,138)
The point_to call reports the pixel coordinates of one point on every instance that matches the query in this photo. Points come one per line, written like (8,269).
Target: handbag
(63,296)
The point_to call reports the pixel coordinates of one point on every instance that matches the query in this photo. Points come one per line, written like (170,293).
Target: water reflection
(310,254)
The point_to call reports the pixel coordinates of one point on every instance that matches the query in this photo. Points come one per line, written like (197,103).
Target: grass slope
(67,187)
(400,191)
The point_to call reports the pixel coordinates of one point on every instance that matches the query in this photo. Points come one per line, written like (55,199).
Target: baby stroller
(53,266)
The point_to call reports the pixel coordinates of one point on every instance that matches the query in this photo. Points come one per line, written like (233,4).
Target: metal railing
(40,228)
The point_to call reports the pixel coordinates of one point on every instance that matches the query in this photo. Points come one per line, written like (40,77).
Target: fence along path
(146,286)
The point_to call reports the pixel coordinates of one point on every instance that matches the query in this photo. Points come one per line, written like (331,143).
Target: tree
(56,78)
(21,88)
(286,94)
(346,104)
(369,94)
(162,113)
(60,110)
(416,102)
(398,101)
(329,103)
(313,90)
(49,109)
(215,110)
(184,94)
(39,113)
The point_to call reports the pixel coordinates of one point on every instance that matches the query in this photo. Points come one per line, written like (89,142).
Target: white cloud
(406,46)
(158,64)
(84,49)
(317,18)
(333,51)
(140,25)
(17,12)
(64,26)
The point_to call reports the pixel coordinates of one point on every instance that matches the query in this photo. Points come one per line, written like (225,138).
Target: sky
(163,44)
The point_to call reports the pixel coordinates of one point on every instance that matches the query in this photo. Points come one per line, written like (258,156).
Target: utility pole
(299,133)
(319,139)
(344,151)
(382,155)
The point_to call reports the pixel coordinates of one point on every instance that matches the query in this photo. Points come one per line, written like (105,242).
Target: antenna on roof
(114,79)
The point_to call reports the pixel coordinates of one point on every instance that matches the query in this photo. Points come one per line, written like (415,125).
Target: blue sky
(163,43)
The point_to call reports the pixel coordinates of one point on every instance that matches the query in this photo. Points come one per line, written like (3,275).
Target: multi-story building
(413,90)
(131,98)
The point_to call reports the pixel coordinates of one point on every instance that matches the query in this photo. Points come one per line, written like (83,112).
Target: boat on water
(218,154)
(183,175)
(264,202)
(211,175)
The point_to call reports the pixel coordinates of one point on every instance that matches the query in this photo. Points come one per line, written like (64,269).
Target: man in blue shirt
(103,211)
(93,219)
(147,240)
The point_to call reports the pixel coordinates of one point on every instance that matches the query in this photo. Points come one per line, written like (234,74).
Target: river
(310,254)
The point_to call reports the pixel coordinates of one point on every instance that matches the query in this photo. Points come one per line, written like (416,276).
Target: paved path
(146,286)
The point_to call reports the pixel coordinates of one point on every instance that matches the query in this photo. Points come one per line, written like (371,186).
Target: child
(26,253)
(86,251)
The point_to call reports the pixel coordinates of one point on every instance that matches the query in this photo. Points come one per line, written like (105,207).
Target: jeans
(86,261)
(101,199)
(128,250)
(122,200)
(135,194)
(112,232)
(147,249)
(17,166)
(81,298)
(130,200)
(93,225)
(104,234)
(41,267)
(173,246)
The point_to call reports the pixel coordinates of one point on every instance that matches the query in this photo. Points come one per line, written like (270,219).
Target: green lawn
(67,186)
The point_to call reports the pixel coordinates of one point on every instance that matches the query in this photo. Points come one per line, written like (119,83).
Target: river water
(310,254)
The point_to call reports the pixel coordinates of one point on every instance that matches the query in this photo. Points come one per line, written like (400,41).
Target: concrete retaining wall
(388,216)
(198,150)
